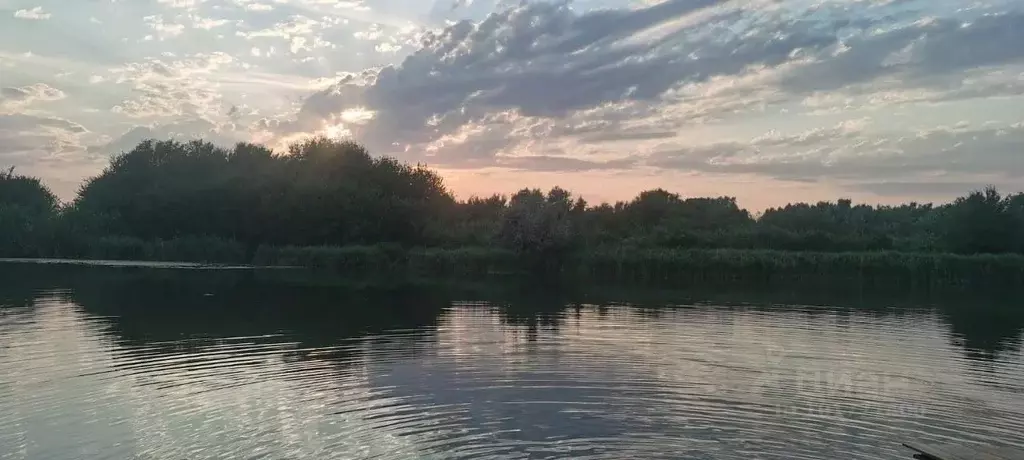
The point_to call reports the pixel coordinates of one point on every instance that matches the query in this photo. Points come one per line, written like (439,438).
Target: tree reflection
(985,328)
(534,307)
(22,284)
(172,310)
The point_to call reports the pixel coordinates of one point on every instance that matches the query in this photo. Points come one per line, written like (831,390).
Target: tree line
(325,192)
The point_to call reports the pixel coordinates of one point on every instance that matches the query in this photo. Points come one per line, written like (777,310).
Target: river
(170,363)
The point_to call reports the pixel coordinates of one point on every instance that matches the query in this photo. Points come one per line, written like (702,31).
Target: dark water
(171,364)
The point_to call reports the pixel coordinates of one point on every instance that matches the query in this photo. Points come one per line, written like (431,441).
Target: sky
(769,101)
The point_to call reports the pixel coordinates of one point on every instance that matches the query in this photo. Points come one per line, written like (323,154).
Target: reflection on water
(130,363)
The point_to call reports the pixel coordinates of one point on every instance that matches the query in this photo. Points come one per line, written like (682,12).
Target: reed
(618,264)
(389,259)
(183,249)
(893,268)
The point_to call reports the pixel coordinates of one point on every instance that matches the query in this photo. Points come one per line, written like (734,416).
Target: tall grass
(387,259)
(665,267)
(668,267)
(890,268)
(183,249)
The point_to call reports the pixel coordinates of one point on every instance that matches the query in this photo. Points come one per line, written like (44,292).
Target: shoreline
(132,263)
(612,264)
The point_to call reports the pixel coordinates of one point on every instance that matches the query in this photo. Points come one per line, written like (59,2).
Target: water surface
(125,362)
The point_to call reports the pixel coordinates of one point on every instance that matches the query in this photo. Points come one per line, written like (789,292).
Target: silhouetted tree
(27,213)
(323,192)
(980,222)
(542,228)
(164,198)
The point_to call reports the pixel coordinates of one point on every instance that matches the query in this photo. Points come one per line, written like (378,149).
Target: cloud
(925,52)
(47,147)
(541,60)
(355,5)
(164,30)
(543,76)
(199,22)
(36,14)
(183,4)
(20,123)
(849,153)
(172,87)
(297,31)
(219,134)
(294,26)
(373,33)
(44,145)
(19,97)
(259,7)
(835,91)
(563,163)
(942,190)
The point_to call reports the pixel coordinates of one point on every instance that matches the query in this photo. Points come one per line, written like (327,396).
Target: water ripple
(594,382)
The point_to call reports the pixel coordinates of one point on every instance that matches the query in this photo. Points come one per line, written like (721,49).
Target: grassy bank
(183,249)
(659,266)
(655,266)
(667,266)
(385,259)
